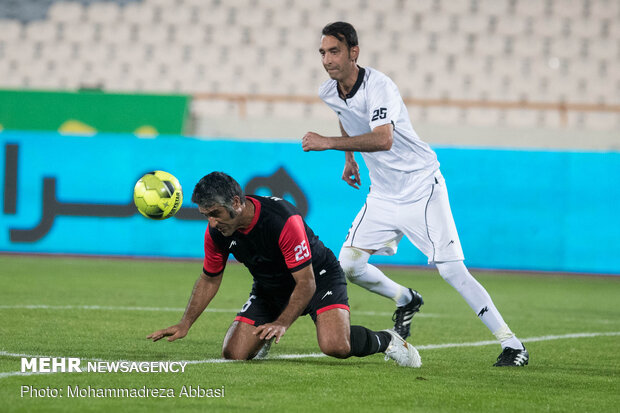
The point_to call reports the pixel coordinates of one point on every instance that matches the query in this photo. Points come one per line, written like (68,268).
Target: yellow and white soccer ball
(158,195)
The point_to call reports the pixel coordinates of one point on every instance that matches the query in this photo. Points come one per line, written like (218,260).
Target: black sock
(365,342)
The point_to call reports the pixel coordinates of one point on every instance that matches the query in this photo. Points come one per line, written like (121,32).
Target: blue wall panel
(536,210)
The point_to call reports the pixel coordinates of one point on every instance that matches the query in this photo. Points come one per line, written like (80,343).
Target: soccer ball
(158,195)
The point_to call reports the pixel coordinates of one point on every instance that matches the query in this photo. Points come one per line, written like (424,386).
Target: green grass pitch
(104,308)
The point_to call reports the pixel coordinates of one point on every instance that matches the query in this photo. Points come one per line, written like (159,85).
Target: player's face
(220,218)
(337,59)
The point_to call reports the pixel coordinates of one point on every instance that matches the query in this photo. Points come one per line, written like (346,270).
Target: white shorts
(427,222)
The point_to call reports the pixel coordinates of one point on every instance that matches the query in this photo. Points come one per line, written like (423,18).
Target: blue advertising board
(528,210)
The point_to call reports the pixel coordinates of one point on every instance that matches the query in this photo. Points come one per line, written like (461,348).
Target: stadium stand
(518,63)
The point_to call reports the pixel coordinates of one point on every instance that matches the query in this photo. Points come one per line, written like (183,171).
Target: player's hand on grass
(269,330)
(174,332)
(314,142)
(351,174)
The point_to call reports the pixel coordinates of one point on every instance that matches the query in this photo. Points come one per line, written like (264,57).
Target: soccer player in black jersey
(294,274)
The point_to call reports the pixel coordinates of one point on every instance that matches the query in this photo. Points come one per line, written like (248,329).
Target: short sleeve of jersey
(294,244)
(215,258)
(383,102)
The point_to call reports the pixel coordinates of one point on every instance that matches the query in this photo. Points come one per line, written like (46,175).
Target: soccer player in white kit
(408,195)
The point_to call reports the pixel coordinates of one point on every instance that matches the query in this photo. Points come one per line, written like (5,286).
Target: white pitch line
(525,340)
(8,354)
(171,309)
(317,355)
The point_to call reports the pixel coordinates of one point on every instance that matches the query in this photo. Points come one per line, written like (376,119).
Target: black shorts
(331,292)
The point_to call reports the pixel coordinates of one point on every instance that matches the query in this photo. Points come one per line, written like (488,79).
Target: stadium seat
(604,8)
(421,6)
(438,23)
(527,8)
(483,116)
(604,92)
(66,12)
(170,53)
(11,80)
(449,43)
(42,30)
(585,27)
(493,45)
(97,54)
(601,121)
(293,110)
(250,17)
(215,16)
(259,109)
(570,9)
(152,34)
(10,33)
(118,34)
(103,12)
(604,49)
(384,40)
(323,112)
(213,108)
(80,32)
(565,48)
(268,37)
(130,53)
(494,7)
(289,17)
(178,16)
(506,25)
(189,35)
(551,119)
(549,26)
(529,46)
(519,118)
(474,24)
(457,7)
(136,13)
(443,115)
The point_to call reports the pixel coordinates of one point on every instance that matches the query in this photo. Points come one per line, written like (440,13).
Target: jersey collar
(256,215)
(356,86)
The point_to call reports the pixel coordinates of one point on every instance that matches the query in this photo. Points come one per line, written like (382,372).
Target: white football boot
(403,353)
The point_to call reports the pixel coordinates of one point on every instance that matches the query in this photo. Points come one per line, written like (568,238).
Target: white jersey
(405,171)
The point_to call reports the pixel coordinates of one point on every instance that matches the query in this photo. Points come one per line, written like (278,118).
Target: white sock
(513,342)
(457,275)
(354,262)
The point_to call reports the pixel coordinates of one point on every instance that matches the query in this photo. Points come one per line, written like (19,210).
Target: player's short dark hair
(217,188)
(342,31)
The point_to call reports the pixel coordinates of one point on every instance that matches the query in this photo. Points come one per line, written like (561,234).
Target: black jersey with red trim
(277,243)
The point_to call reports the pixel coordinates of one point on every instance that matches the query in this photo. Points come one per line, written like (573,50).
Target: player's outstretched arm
(300,297)
(379,139)
(204,290)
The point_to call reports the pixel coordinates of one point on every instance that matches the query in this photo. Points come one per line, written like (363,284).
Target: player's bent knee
(233,354)
(340,350)
(353,262)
